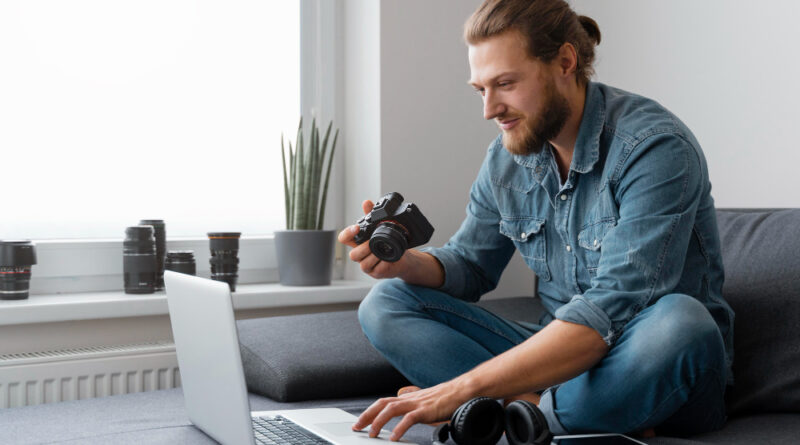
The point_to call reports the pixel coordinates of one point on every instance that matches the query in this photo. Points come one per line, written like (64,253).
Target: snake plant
(302,186)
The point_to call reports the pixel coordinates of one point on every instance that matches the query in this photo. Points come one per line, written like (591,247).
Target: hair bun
(591,28)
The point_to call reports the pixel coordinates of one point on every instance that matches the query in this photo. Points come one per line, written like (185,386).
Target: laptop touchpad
(346,429)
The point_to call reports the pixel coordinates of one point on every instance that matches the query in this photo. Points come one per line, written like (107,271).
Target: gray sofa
(333,364)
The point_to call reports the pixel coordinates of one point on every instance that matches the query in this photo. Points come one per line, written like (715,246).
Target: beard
(529,136)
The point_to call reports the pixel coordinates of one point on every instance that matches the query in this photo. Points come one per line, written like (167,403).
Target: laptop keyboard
(279,430)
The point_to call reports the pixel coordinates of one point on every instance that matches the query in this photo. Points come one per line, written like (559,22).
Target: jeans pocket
(528,236)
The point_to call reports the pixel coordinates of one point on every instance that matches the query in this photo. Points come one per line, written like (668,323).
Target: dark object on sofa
(761,253)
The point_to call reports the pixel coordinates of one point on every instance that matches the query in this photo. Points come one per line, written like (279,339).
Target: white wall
(729,69)
(432,136)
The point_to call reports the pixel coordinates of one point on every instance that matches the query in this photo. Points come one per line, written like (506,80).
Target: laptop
(212,377)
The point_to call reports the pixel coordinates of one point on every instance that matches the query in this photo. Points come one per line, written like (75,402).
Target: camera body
(392,227)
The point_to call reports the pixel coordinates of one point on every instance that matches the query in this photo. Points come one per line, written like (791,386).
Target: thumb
(367,206)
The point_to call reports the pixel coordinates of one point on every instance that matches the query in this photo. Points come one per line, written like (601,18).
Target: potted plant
(304,250)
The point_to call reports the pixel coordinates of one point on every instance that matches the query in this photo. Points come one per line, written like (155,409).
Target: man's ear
(567,59)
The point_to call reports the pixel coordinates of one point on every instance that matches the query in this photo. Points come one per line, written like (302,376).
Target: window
(112,111)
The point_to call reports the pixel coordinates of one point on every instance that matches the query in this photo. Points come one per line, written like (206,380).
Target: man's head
(527,58)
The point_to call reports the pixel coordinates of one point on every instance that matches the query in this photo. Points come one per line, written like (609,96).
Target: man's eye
(503,84)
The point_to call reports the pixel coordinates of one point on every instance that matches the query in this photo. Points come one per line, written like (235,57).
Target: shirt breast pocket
(529,238)
(590,238)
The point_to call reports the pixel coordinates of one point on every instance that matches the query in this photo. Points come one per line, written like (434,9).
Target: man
(607,197)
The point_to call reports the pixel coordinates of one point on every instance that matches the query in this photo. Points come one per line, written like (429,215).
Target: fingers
(406,422)
(369,263)
(369,414)
(381,412)
(367,206)
(346,236)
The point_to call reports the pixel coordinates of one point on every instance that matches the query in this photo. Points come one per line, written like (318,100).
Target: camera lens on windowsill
(139,265)
(224,257)
(181,261)
(16,259)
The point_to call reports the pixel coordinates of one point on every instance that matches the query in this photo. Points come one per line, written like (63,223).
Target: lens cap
(17,253)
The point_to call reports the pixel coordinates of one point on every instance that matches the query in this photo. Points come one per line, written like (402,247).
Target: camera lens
(16,259)
(389,242)
(181,261)
(161,247)
(224,257)
(139,260)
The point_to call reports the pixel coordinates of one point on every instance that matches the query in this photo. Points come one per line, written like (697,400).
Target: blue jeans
(667,370)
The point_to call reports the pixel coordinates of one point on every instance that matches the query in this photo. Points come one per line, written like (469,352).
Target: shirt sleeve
(658,191)
(474,258)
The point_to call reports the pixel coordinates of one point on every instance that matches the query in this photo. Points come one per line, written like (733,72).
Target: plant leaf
(327,179)
(287,206)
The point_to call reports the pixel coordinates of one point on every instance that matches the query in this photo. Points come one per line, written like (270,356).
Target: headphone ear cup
(477,422)
(526,425)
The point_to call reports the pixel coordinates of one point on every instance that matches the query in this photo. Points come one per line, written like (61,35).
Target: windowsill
(101,305)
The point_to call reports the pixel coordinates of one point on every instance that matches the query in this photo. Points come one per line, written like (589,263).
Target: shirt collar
(587,145)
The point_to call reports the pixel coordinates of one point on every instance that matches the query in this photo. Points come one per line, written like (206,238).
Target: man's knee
(385,297)
(685,327)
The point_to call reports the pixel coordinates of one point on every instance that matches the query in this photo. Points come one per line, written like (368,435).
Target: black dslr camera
(393,227)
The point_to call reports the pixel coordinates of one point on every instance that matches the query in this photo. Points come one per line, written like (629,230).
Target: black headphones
(482,421)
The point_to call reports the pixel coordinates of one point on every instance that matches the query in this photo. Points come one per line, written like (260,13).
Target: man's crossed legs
(666,371)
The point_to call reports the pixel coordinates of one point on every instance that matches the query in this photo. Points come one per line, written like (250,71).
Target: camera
(392,227)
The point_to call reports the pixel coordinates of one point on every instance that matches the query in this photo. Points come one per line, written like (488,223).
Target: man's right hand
(361,254)
(414,267)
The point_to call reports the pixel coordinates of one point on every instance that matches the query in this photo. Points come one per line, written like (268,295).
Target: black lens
(161,247)
(139,265)
(224,257)
(389,242)
(181,261)
(16,259)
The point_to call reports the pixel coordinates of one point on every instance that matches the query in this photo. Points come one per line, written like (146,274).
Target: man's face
(518,92)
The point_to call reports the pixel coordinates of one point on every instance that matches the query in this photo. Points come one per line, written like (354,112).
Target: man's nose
(492,106)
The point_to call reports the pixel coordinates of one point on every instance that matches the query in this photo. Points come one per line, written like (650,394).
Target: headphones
(482,421)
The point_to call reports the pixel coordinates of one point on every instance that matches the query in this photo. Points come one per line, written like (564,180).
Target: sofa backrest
(761,256)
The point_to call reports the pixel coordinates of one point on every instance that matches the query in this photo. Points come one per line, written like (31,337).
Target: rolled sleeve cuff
(454,275)
(582,311)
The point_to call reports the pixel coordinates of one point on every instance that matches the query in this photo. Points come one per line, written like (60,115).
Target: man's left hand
(429,405)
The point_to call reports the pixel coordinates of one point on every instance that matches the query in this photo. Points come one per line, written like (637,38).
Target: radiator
(83,373)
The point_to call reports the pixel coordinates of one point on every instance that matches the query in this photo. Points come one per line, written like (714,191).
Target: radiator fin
(81,373)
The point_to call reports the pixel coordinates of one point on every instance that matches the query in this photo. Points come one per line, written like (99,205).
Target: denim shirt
(633,221)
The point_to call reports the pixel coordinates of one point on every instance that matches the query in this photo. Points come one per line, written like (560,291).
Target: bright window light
(112,111)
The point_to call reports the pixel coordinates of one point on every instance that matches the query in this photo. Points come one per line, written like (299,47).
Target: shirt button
(563,197)
(595,242)
(523,235)
(569,249)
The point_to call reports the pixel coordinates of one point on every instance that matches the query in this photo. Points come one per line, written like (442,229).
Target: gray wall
(729,70)
(414,125)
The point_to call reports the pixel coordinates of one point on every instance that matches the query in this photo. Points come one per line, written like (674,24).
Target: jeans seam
(449,310)
(639,425)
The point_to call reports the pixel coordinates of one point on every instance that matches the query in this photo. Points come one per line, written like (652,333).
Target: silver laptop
(213,382)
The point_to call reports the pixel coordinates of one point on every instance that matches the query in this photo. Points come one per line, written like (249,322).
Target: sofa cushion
(313,356)
(326,355)
(761,256)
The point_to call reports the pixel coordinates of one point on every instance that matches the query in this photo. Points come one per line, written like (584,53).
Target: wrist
(421,268)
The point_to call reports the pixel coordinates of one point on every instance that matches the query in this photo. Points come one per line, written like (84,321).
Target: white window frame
(91,265)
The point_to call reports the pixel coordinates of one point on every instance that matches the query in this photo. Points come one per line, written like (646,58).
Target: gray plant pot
(305,257)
